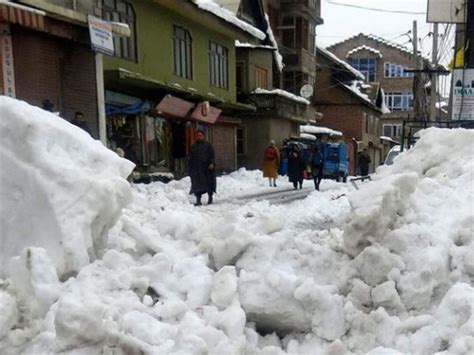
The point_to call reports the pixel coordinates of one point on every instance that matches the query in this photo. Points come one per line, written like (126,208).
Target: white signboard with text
(446,11)
(7,85)
(100,31)
(463,94)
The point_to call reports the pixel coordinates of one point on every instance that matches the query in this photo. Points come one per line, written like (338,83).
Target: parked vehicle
(392,154)
(336,164)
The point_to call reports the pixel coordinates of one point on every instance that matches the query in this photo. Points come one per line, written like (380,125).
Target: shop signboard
(446,11)
(101,35)
(463,94)
(7,73)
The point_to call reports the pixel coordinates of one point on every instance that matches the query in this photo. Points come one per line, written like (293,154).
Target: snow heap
(229,16)
(384,108)
(386,269)
(61,190)
(319,130)
(282,93)
(364,48)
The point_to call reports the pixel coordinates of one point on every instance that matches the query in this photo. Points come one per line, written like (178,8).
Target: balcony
(285,106)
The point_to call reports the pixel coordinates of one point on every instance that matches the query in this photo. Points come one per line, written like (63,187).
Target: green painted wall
(155,50)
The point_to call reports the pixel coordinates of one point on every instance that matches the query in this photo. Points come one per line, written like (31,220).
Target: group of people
(297,165)
(202,169)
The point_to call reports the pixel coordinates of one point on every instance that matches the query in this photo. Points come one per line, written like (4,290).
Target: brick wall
(62,71)
(223,140)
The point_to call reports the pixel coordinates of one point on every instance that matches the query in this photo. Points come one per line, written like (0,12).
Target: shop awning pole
(99,72)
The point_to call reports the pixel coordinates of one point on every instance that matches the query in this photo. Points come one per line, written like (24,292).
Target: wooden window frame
(182,52)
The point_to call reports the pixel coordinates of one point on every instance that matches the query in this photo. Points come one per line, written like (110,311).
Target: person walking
(364,161)
(202,169)
(271,162)
(317,162)
(296,166)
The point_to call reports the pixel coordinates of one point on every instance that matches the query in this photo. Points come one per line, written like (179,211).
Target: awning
(174,107)
(117,103)
(22,15)
(205,113)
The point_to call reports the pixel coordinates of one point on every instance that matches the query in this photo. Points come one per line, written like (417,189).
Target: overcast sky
(342,22)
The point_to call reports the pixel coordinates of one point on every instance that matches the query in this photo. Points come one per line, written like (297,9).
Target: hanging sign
(100,31)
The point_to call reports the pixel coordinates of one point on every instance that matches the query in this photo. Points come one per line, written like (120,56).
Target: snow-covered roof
(364,48)
(271,38)
(283,93)
(319,130)
(229,16)
(341,63)
(355,88)
(253,46)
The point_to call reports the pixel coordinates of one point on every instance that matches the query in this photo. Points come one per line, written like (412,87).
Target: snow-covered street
(104,268)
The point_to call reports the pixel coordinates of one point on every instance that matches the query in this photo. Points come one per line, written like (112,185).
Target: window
(392,130)
(399,101)
(298,32)
(396,71)
(241,146)
(218,67)
(121,11)
(261,78)
(182,53)
(366,66)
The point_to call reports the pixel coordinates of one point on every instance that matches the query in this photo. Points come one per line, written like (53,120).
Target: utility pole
(434,76)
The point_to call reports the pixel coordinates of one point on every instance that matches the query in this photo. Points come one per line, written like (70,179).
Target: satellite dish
(306,91)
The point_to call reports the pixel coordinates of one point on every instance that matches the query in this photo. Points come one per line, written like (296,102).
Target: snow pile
(384,108)
(282,93)
(386,269)
(228,16)
(61,190)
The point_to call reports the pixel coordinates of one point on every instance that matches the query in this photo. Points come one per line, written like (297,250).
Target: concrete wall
(155,50)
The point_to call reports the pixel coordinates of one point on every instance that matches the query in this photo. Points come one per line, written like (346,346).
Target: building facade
(347,106)
(48,61)
(383,63)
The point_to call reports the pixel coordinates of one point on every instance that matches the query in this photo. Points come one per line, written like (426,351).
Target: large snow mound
(61,190)
(386,269)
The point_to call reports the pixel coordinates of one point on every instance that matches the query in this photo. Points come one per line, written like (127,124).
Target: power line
(376,9)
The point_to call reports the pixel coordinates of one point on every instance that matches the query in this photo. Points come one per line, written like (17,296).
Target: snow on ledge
(283,93)
(239,44)
(346,65)
(271,37)
(364,48)
(319,130)
(229,16)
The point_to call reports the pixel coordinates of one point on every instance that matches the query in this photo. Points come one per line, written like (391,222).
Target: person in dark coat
(364,161)
(317,163)
(202,169)
(80,122)
(296,166)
